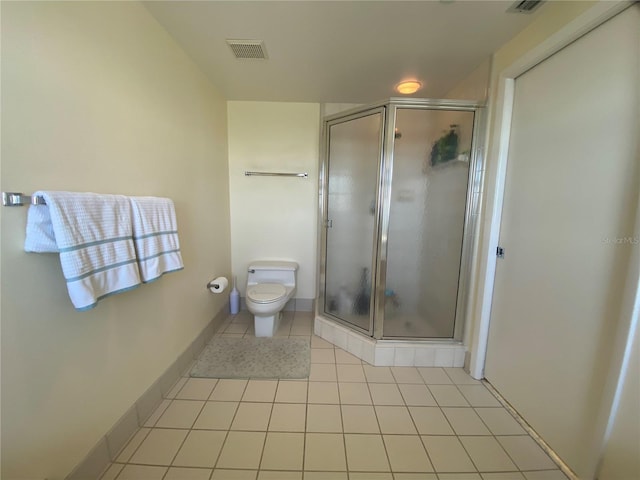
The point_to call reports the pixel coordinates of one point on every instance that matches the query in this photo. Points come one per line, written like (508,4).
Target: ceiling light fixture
(408,87)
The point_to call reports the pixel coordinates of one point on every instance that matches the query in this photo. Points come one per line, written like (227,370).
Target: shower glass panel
(354,153)
(427,204)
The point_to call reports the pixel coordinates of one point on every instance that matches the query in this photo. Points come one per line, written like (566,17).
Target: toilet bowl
(270,285)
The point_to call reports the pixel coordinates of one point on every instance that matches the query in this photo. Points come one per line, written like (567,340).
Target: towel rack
(276,174)
(18,199)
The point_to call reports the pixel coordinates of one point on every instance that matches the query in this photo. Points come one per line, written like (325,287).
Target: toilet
(270,285)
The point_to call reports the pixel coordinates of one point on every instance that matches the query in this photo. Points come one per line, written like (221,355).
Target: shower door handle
(328,224)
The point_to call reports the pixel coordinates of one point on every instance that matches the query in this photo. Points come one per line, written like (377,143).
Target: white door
(570,197)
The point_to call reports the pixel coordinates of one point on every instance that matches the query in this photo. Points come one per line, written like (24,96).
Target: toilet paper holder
(218,285)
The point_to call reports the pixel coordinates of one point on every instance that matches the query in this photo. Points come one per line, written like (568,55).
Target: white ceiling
(339,51)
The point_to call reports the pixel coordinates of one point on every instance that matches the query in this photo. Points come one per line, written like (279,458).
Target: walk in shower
(398,202)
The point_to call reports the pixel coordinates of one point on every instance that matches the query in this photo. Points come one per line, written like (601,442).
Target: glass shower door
(427,206)
(354,154)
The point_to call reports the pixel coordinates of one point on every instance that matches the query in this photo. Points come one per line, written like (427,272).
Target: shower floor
(411,325)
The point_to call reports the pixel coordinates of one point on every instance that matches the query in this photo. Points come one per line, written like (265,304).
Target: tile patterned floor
(348,421)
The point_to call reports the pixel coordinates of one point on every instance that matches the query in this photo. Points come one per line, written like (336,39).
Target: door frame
(495,182)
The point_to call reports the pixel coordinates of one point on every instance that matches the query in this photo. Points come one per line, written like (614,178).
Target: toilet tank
(272,271)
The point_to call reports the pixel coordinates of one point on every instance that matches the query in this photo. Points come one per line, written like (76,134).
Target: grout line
(160,415)
(350,433)
(120,472)
(491,435)
(465,448)
(344,437)
(266,434)
(189,430)
(304,434)
(375,413)
(136,449)
(424,447)
(215,464)
(564,468)
(180,379)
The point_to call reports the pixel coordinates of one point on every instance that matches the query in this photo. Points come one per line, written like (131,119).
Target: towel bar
(276,174)
(18,199)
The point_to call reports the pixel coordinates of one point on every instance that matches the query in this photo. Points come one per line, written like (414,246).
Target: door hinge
(328,224)
(500,252)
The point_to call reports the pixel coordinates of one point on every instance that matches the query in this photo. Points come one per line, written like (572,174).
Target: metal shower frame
(388,109)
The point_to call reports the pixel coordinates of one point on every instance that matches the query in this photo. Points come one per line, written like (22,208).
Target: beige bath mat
(253,357)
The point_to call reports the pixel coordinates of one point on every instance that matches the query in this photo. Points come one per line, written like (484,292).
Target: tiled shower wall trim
(107,449)
(295,304)
(391,353)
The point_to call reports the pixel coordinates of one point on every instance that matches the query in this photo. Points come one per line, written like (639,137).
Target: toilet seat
(266,292)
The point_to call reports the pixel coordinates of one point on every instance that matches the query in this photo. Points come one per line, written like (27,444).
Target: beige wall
(475,86)
(274,217)
(552,17)
(97,97)
(327,109)
(621,453)
(481,84)
(621,460)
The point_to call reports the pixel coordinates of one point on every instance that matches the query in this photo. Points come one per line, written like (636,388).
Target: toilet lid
(266,292)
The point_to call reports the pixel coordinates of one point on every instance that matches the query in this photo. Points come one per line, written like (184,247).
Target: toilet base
(266,326)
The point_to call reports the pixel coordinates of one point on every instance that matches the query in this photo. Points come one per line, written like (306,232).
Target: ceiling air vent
(247,48)
(524,6)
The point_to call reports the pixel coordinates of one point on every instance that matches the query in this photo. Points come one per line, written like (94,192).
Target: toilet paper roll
(218,285)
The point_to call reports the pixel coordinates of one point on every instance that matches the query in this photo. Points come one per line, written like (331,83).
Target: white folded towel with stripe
(93,234)
(155,234)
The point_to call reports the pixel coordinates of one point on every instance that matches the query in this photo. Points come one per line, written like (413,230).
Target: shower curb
(392,353)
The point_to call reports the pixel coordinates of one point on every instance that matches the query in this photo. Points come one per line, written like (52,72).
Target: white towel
(93,234)
(155,233)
